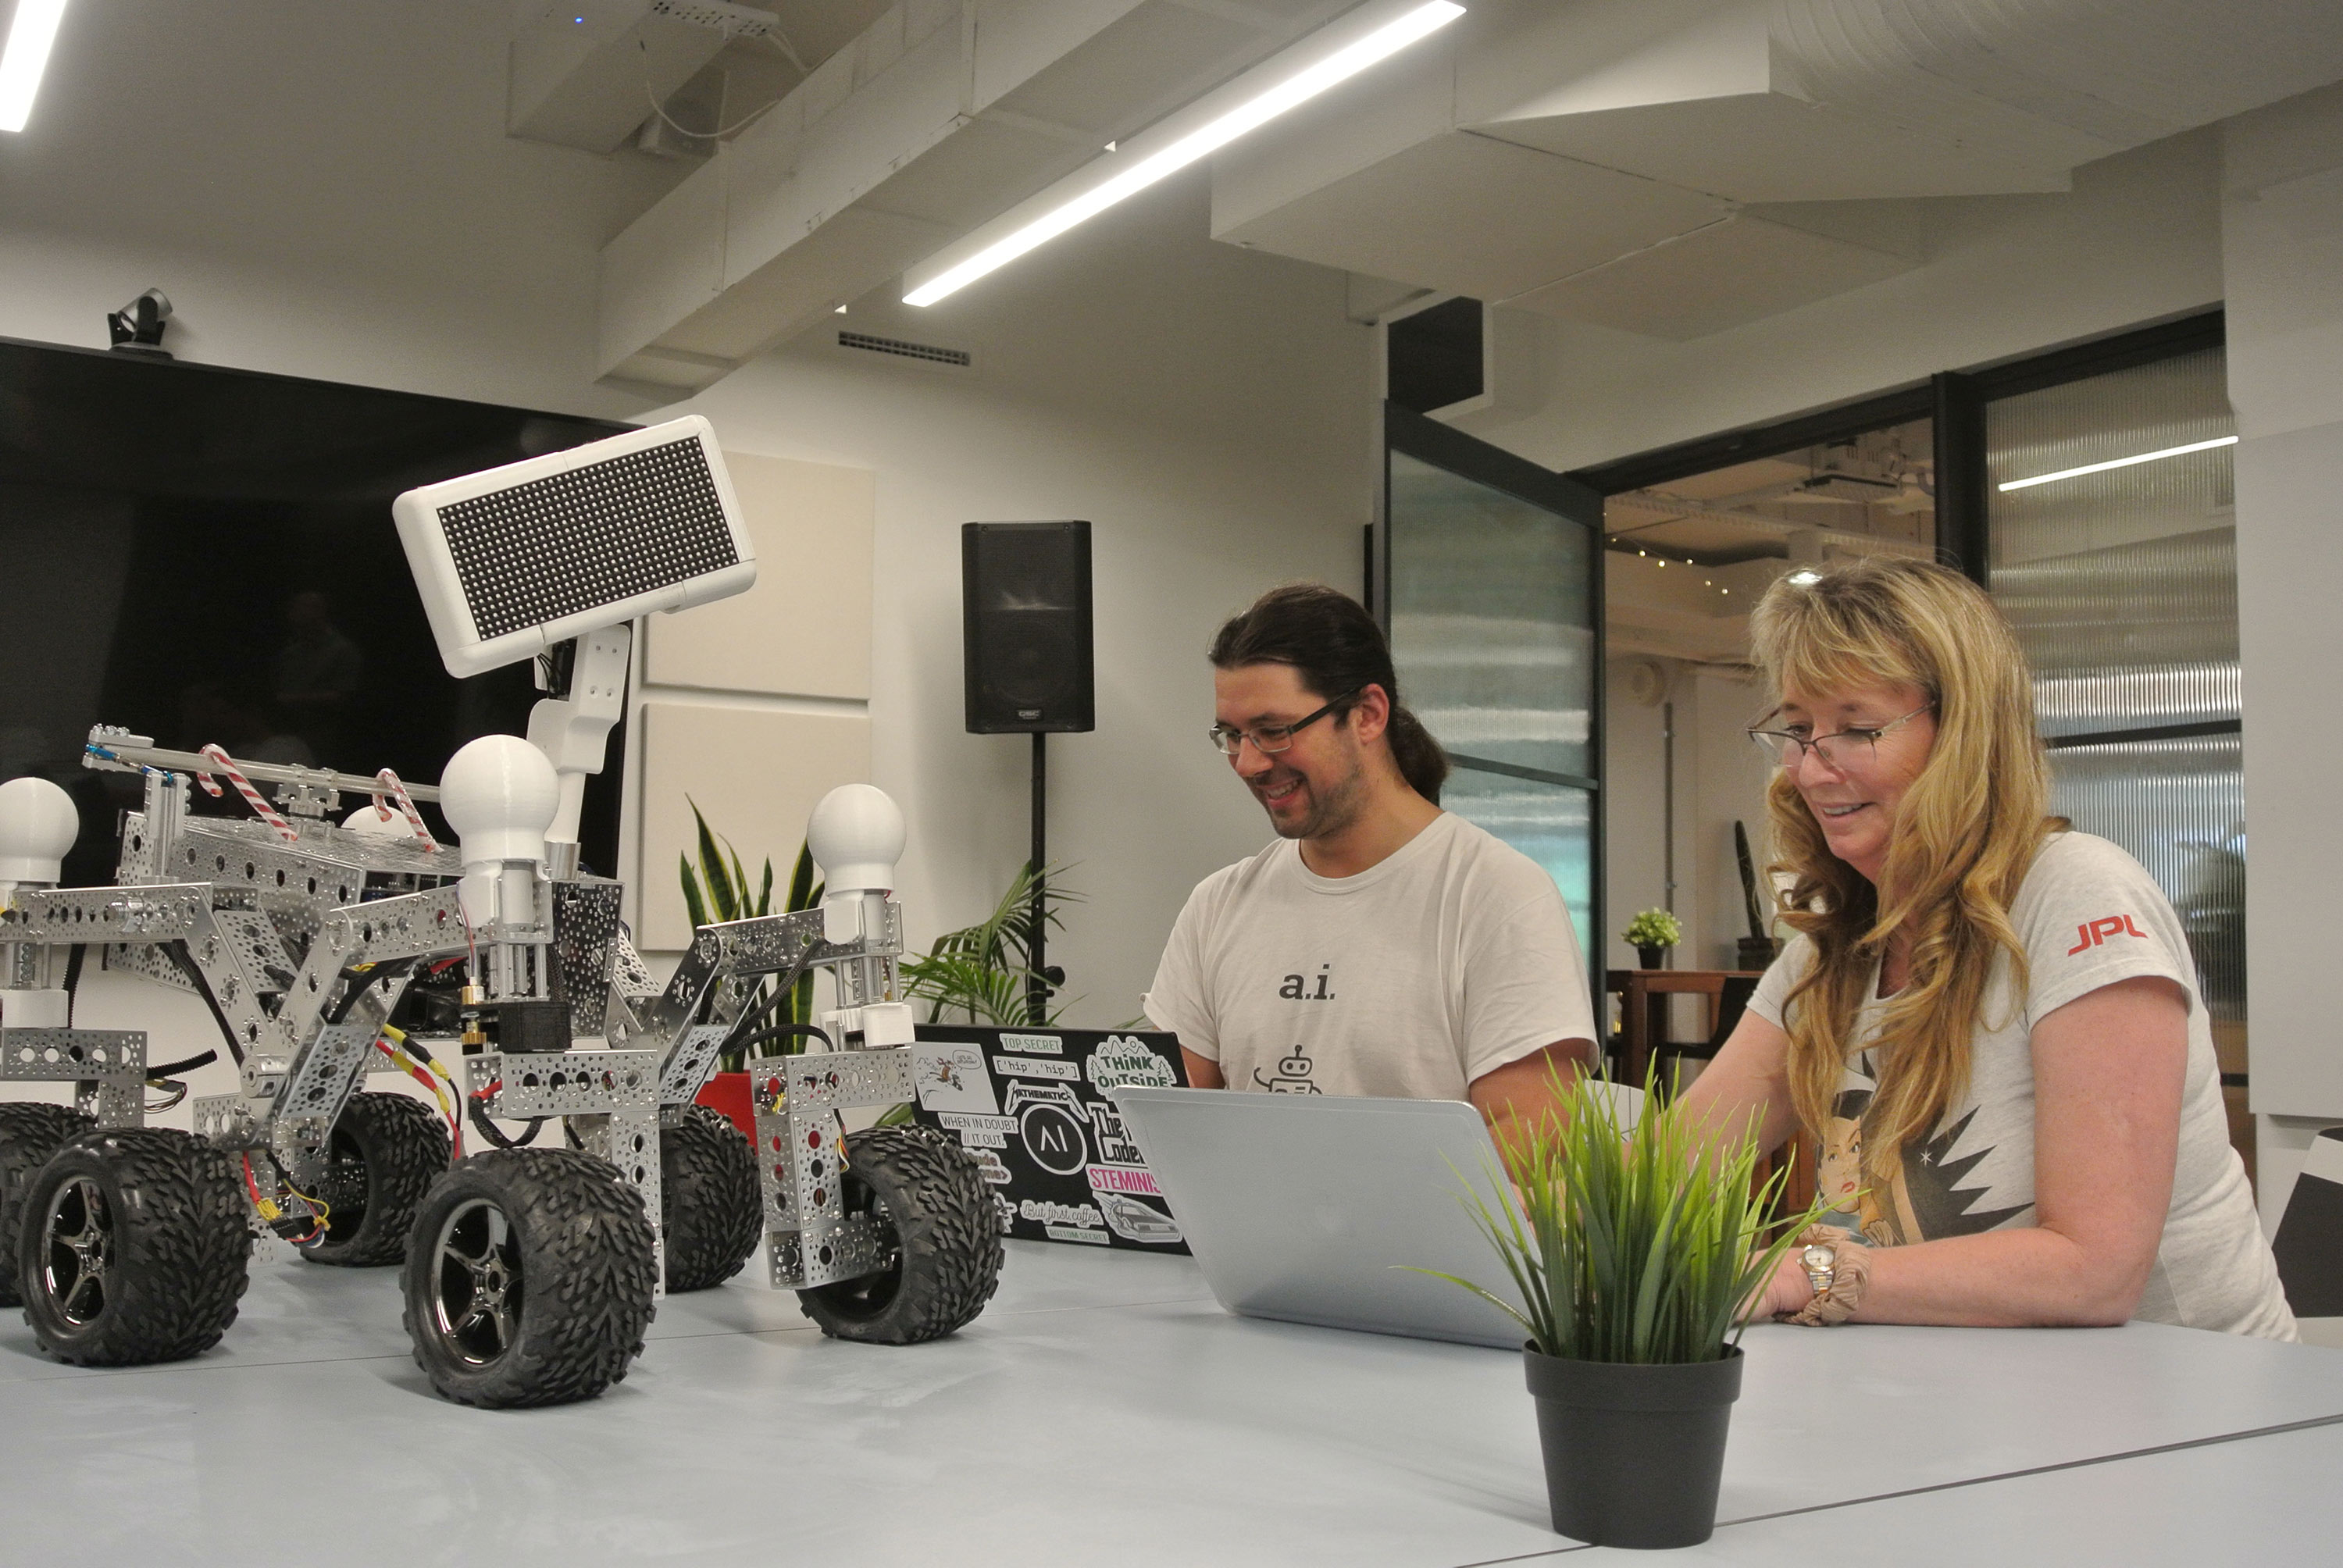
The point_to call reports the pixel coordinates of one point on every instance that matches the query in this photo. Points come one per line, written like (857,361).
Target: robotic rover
(530,1272)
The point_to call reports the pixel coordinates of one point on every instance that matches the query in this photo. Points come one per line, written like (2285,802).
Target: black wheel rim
(76,1246)
(869,1294)
(476,1284)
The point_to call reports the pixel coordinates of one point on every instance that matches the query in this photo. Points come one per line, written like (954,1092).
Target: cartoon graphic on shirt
(1924,1201)
(1293,1076)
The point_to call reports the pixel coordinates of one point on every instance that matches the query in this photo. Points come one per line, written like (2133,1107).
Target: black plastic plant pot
(1652,958)
(1634,1453)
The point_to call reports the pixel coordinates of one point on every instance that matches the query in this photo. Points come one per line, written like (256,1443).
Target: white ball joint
(499,794)
(856,836)
(38,825)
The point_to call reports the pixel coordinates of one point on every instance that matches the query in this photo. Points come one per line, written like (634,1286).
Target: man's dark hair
(1339,651)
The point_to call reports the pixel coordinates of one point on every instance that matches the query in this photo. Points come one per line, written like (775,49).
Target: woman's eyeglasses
(1855,744)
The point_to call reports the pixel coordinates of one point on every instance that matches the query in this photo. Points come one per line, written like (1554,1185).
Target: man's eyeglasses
(1268,739)
(1788,747)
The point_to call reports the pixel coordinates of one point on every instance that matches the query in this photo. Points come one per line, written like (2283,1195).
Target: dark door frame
(1566,496)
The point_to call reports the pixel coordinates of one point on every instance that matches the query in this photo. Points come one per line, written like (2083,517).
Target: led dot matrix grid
(590,537)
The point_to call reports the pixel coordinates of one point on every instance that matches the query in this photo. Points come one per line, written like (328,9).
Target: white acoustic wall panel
(755,774)
(804,629)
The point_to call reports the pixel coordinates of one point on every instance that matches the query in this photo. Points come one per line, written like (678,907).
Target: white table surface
(1102,1410)
(2273,1500)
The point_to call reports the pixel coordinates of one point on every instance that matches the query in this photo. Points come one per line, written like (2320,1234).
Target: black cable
(171,1069)
(783,1032)
(184,961)
(358,984)
(734,1040)
(73,978)
(489,1130)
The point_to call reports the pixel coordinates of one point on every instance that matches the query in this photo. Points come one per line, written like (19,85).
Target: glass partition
(1489,591)
(2114,553)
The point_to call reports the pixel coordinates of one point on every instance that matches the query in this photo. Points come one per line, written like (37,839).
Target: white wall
(2282,231)
(322,190)
(1204,408)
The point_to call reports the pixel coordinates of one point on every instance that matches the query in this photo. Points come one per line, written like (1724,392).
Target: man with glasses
(1382,946)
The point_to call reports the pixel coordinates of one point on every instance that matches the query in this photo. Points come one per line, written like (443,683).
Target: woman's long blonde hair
(1963,836)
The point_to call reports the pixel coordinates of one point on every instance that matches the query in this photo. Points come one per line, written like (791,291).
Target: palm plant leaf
(721,896)
(692,902)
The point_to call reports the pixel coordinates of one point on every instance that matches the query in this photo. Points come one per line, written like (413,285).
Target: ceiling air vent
(923,353)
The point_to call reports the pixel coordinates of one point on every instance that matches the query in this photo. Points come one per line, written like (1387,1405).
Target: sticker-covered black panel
(1030,1105)
(590,537)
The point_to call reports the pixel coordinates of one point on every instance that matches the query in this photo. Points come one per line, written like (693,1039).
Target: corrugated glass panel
(2122,584)
(2180,807)
(1490,620)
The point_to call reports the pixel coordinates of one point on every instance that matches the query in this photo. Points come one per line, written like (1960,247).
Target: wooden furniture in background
(1644,1030)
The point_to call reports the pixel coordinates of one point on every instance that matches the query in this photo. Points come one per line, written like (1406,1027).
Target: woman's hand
(1789,1290)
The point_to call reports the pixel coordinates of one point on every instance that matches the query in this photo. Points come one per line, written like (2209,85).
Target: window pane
(1491,602)
(2122,584)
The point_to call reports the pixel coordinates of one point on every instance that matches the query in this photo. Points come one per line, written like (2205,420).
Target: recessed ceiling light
(2119,463)
(1292,92)
(29,37)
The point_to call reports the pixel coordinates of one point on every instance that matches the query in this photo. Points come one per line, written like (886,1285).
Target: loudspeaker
(1025,623)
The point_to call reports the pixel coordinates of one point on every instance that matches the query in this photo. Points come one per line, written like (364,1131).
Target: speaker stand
(1037,987)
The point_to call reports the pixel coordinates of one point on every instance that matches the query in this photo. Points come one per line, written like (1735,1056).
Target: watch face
(1820,1257)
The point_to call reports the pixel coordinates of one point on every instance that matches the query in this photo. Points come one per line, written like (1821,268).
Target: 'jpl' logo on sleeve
(2094,932)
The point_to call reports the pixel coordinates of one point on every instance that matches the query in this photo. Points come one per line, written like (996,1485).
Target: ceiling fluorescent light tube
(1294,91)
(2120,463)
(29,37)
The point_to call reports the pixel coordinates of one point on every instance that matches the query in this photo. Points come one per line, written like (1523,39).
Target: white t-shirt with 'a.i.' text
(1448,960)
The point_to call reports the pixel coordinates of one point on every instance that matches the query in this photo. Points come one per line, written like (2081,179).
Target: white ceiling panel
(1769,146)
(1738,269)
(1476,217)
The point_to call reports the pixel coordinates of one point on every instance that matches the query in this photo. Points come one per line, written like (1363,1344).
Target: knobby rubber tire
(179,1248)
(947,1239)
(581,1245)
(30,1131)
(386,1151)
(711,1213)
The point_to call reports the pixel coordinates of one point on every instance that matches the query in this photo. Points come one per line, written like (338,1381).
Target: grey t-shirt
(2089,915)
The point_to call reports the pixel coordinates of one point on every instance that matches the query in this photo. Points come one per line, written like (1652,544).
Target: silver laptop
(1298,1206)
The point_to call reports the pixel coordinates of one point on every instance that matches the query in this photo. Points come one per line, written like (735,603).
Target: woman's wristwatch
(1838,1267)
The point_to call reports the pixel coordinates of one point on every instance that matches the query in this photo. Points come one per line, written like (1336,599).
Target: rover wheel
(945,1259)
(711,1214)
(530,1278)
(30,1131)
(131,1247)
(385,1151)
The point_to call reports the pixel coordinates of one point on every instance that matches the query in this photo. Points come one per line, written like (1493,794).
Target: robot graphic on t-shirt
(1293,1076)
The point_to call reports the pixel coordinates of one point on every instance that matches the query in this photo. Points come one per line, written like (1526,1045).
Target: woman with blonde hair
(1989,1023)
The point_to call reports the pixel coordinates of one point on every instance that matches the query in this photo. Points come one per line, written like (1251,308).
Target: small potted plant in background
(1651,934)
(1633,1252)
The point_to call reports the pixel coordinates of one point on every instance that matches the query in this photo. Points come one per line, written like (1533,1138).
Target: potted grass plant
(1633,1251)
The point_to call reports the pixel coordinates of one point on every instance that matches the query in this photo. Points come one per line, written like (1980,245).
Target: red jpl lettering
(2091,933)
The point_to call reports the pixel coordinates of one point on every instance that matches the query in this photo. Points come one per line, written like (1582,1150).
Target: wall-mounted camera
(137,327)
